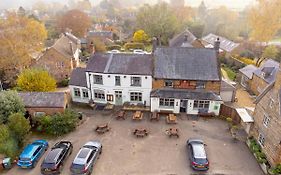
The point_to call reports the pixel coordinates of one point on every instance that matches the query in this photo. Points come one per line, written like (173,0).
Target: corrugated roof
(225,44)
(78,77)
(43,99)
(244,115)
(186,64)
(248,70)
(185,94)
(129,64)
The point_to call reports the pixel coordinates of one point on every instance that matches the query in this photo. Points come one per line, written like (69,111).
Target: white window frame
(98,79)
(167,102)
(200,85)
(271,102)
(99,95)
(261,139)
(118,83)
(201,104)
(168,83)
(76,92)
(135,96)
(39,114)
(85,93)
(133,81)
(266,120)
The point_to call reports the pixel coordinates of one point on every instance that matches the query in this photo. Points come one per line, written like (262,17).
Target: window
(99,95)
(98,79)
(39,114)
(266,120)
(200,85)
(168,83)
(167,102)
(77,92)
(117,81)
(136,96)
(109,97)
(85,93)
(261,139)
(271,103)
(201,104)
(60,64)
(136,81)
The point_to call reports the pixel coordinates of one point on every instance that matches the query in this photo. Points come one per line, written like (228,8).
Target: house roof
(105,34)
(183,39)
(185,94)
(248,70)
(265,91)
(43,99)
(225,44)
(129,64)
(268,70)
(186,64)
(78,77)
(62,45)
(226,86)
(244,115)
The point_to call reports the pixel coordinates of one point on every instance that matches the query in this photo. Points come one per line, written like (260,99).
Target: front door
(118,98)
(183,105)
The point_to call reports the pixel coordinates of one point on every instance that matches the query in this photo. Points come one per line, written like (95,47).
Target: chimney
(217,46)
(154,44)
(159,40)
(185,38)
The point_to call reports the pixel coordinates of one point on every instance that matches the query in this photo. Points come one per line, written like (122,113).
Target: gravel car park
(156,154)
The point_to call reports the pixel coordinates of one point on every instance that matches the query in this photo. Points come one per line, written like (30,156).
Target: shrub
(8,145)
(129,46)
(277,169)
(64,82)
(113,47)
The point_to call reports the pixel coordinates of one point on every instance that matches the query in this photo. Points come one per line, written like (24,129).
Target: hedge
(129,46)
(113,47)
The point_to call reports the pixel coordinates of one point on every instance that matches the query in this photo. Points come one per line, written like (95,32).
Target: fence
(228,111)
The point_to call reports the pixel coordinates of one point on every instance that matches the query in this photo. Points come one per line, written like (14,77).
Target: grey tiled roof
(248,70)
(186,64)
(269,69)
(185,94)
(129,64)
(179,40)
(225,44)
(44,99)
(78,77)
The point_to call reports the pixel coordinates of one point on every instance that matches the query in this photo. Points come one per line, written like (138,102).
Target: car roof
(29,150)
(53,155)
(198,150)
(82,156)
(93,143)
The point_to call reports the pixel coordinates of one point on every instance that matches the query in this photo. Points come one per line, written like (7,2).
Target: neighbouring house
(61,58)
(103,36)
(114,79)
(44,103)
(185,39)
(227,46)
(256,79)
(227,91)
(267,120)
(186,80)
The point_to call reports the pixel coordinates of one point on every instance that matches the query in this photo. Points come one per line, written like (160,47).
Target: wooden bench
(140,132)
(173,132)
(171,119)
(138,115)
(101,129)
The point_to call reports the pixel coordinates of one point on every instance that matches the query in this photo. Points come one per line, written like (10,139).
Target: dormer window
(168,83)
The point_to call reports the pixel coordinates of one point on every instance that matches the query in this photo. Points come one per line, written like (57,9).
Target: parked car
(32,153)
(138,51)
(197,154)
(86,158)
(55,159)
(113,51)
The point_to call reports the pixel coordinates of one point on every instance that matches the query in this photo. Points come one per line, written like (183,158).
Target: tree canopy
(36,80)
(270,52)
(76,20)
(140,36)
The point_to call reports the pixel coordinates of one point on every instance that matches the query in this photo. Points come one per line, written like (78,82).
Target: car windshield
(25,159)
(77,166)
(201,161)
(48,165)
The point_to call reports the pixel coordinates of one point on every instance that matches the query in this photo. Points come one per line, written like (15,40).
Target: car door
(36,154)
(91,160)
(190,153)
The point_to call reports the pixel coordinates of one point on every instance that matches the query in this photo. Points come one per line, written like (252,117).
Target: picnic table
(140,132)
(137,115)
(173,132)
(154,116)
(120,115)
(101,129)
(171,119)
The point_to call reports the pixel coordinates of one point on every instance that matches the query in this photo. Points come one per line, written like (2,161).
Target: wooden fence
(228,111)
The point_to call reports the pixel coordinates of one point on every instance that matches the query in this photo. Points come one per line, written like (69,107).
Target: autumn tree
(158,20)
(36,80)
(79,22)
(20,37)
(264,20)
(140,36)
(270,52)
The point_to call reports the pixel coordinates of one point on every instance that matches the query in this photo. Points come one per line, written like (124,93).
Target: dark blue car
(32,153)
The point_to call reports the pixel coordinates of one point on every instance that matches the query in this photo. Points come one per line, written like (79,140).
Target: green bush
(276,170)
(64,82)
(58,124)
(113,47)
(129,46)
(8,144)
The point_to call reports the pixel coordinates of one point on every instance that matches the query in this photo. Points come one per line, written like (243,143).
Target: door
(183,105)
(118,98)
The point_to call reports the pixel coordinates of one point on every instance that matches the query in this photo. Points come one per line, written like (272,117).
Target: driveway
(157,154)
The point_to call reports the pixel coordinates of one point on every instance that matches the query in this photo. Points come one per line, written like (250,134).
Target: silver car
(197,154)
(86,158)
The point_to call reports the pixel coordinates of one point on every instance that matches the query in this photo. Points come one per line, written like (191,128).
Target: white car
(138,51)
(114,51)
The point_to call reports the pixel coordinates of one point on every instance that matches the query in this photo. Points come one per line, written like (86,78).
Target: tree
(84,5)
(8,144)
(19,38)
(158,20)
(10,103)
(36,80)
(79,22)
(264,20)
(270,52)
(19,126)
(140,36)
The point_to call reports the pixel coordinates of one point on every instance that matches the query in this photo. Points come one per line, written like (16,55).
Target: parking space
(157,154)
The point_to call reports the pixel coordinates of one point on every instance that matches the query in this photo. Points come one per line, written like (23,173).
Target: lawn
(230,73)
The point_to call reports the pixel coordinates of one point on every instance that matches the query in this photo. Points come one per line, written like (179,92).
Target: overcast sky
(240,4)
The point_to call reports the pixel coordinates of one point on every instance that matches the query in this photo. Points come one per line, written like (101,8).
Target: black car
(55,159)
(197,154)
